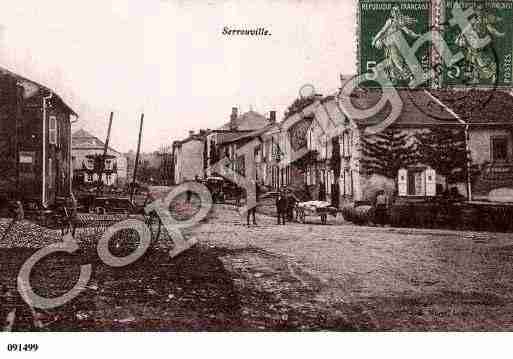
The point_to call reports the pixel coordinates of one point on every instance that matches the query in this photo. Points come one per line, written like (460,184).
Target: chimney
(272,116)
(233,119)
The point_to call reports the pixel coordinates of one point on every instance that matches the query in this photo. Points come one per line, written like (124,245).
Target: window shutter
(402,182)
(351,184)
(430,182)
(344,183)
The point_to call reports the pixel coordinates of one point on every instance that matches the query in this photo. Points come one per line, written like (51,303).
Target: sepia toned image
(273,166)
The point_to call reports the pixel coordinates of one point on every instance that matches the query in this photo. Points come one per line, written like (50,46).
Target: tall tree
(165,156)
(445,151)
(299,104)
(387,152)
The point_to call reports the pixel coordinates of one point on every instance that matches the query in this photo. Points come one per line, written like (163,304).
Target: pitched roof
(479,106)
(419,108)
(193,137)
(248,121)
(228,137)
(29,84)
(249,135)
(81,139)
(82,133)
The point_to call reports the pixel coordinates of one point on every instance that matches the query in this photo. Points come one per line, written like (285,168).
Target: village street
(294,277)
(377,278)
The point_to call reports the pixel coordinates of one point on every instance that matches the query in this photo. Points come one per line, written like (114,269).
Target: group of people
(285,203)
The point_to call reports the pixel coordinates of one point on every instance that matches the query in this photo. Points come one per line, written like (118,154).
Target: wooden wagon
(314,208)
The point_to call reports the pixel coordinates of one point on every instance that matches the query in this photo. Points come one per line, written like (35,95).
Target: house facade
(189,157)
(488,116)
(324,149)
(87,154)
(341,162)
(194,155)
(35,142)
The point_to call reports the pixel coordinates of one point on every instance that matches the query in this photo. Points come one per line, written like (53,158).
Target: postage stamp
(387,30)
(484,63)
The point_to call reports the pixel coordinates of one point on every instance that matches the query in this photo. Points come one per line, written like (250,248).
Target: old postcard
(273,166)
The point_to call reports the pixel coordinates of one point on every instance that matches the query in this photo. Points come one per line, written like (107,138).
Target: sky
(170,60)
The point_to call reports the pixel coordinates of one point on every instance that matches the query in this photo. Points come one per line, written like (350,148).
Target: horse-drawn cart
(314,208)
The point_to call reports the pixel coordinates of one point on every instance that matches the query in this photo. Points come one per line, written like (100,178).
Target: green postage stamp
(486,43)
(386,32)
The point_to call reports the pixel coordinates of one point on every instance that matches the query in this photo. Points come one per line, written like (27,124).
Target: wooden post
(17,118)
(102,161)
(132,192)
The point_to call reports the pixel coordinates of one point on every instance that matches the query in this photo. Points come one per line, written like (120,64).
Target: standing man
(281,207)
(291,203)
(381,207)
(322,191)
(252,211)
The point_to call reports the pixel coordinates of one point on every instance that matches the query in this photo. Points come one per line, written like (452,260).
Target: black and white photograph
(288,170)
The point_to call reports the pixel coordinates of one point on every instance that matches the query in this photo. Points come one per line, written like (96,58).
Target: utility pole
(132,192)
(17,118)
(102,160)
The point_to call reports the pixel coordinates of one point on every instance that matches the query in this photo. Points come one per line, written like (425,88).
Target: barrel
(401,215)
(363,214)
(358,215)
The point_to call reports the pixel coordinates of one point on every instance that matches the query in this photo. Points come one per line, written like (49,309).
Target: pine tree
(387,152)
(444,150)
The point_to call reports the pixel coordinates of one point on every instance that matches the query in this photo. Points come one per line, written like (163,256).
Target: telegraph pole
(132,192)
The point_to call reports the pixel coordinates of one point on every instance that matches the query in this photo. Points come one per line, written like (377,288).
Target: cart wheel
(302,216)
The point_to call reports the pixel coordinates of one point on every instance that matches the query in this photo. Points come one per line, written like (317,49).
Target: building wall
(58,161)
(189,161)
(480,143)
(26,173)
(80,157)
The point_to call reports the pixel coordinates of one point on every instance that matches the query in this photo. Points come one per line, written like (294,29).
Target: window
(346,144)
(89,177)
(108,165)
(416,182)
(347,182)
(53,130)
(257,154)
(27,162)
(499,149)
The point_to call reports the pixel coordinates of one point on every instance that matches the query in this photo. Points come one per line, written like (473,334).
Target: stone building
(194,155)
(488,117)
(189,157)
(320,148)
(323,146)
(87,151)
